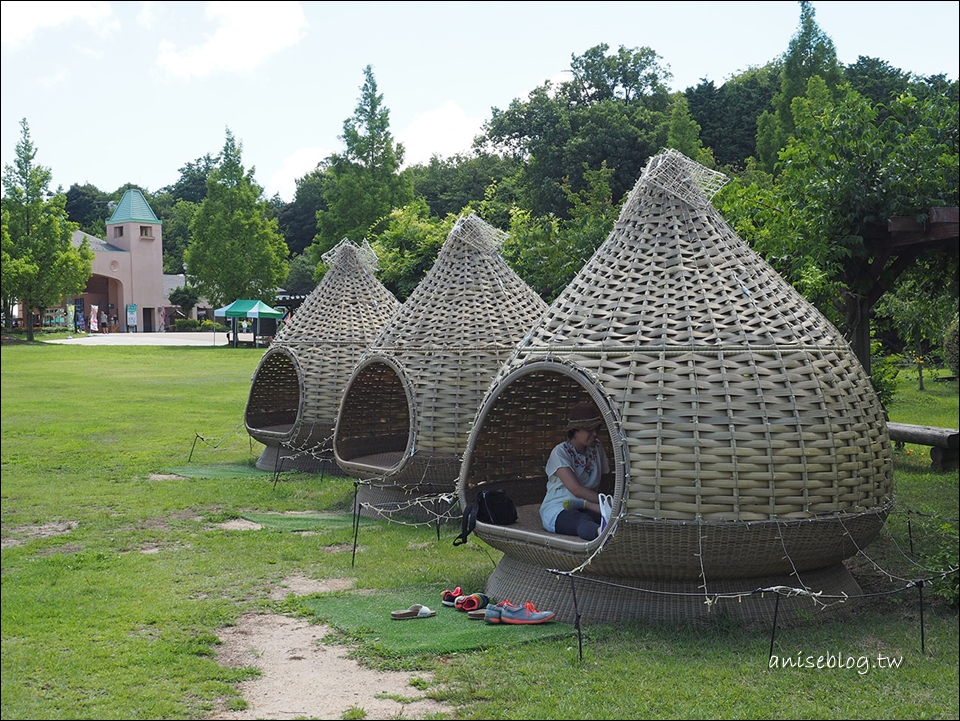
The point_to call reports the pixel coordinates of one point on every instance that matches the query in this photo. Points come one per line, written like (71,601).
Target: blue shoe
(492,613)
(525,614)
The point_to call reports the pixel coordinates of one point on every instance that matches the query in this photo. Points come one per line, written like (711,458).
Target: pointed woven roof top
(673,273)
(470,297)
(349,304)
(132,208)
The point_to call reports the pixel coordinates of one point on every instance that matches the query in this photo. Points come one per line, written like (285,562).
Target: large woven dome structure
(409,404)
(748,446)
(297,386)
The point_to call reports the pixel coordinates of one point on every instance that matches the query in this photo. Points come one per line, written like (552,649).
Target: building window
(118,231)
(146,231)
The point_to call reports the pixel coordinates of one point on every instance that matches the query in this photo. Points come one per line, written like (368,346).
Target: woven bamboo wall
(298,384)
(445,345)
(730,403)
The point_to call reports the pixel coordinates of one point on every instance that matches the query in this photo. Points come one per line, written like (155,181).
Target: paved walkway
(210,339)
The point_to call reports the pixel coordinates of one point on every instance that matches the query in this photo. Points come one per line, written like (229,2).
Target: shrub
(186,325)
(209,325)
(883,374)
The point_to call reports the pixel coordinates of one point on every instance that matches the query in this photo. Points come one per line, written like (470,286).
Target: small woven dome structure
(295,396)
(748,446)
(408,407)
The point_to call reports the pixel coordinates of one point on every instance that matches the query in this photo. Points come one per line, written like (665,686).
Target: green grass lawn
(117,574)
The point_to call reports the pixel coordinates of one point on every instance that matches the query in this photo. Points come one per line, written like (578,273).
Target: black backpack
(494,507)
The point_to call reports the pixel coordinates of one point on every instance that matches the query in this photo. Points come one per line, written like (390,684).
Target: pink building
(128,279)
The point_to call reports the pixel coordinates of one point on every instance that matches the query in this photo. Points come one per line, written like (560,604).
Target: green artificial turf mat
(306,521)
(365,618)
(226,470)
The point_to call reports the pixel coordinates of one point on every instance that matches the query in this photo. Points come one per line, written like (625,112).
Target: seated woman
(572,505)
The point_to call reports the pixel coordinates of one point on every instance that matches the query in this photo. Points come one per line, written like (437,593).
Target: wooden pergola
(895,245)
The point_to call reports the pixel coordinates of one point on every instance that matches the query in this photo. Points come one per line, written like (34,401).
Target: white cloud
(246,35)
(445,131)
(295,166)
(19,21)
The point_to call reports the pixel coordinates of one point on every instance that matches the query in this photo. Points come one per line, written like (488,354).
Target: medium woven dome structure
(295,396)
(409,405)
(748,446)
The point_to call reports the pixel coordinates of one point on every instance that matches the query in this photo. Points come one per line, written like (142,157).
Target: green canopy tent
(255,309)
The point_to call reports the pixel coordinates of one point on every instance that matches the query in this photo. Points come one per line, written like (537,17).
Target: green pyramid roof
(133,207)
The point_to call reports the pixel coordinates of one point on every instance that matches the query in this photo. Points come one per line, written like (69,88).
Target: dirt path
(304,678)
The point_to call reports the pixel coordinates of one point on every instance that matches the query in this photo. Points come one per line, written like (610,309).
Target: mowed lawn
(118,572)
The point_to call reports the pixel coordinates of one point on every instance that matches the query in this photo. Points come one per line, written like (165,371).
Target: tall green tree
(89,208)
(236,249)
(364,182)
(810,53)
(44,265)
(683,133)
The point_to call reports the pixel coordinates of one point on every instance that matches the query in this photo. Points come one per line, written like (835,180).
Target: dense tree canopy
(844,170)
(613,111)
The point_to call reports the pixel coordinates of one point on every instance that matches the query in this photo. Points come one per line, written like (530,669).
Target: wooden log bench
(944,443)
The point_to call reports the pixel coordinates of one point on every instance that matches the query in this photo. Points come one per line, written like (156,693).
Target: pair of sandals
(473,604)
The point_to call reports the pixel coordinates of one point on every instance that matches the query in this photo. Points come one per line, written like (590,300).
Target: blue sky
(132,91)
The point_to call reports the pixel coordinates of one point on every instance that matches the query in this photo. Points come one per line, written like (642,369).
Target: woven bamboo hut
(296,391)
(748,447)
(408,407)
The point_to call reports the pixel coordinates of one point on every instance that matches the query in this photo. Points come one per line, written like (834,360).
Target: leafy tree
(627,75)
(364,183)
(547,252)
(843,173)
(236,250)
(185,298)
(876,80)
(177,234)
(298,219)
(300,276)
(921,307)
(614,109)
(683,134)
(810,53)
(728,115)
(448,185)
(192,184)
(408,246)
(44,265)
(89,208)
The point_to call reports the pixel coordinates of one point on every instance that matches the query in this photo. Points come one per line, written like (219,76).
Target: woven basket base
(405,502)
(296,461)
(671,601)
